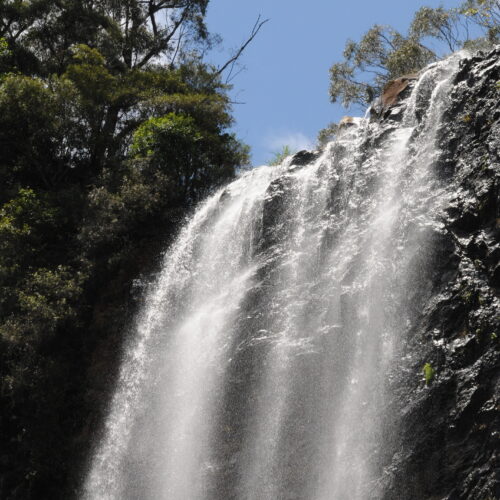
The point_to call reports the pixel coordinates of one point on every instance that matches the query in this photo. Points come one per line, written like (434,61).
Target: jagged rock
(394,91)
(304,157)
(450,432)
(448,448)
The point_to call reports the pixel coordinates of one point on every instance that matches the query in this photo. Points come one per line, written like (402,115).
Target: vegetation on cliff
(383,53)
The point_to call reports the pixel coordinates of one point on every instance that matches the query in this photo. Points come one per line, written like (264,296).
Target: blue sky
(284,86)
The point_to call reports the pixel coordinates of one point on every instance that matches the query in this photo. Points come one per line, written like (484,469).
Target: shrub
(429,373)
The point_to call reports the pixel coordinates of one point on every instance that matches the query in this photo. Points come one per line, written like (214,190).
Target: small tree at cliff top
(486,15)
(383,53)
(280,155)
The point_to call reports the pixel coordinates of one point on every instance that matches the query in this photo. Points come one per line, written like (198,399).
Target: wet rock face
(303,157)
(449,444)
(433,440)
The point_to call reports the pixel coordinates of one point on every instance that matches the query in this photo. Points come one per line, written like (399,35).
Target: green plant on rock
(327,134)
(429,373)
(469,296)
(279,156)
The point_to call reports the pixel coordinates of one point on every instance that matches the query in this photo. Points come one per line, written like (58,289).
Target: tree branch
(163,43)
(153,18)
(256,28)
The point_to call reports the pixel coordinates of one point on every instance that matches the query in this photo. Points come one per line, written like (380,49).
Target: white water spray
(260,362)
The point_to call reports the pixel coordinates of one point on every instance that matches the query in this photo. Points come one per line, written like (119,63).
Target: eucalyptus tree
(384,53)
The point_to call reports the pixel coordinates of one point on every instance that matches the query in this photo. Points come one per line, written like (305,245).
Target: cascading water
(262,359)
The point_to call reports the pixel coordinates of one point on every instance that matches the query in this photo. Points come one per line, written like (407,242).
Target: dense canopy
(111,128)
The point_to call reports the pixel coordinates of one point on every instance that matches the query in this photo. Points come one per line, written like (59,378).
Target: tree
(112,127)
(485,14)
(166,145)
(439,23)
(129,33)
(327,134)
(383,53)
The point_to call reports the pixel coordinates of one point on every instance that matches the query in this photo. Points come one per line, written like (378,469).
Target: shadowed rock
(304,157)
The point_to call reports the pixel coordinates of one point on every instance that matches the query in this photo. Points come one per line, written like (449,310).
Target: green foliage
(35,134)
(429,373)
(129,34)
(383,53)
(46,300)
(111,127)
(24,223)
(327,134)
(486,14)
(190,156)
(279,156)
(5,58)
(438,23)
(4,55)
(95,83)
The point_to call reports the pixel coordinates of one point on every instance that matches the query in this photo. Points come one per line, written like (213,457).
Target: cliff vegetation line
(383,53)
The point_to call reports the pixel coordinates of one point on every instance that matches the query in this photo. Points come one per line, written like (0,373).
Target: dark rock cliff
(450,430)
(443,436)
(447,442)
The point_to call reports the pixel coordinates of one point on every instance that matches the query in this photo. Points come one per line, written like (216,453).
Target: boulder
(393,91)
(347,121)
(304,157)
(394,88)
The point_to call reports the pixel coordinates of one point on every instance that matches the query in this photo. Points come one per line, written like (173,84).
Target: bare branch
(178,46)
(255,30)
(231,76)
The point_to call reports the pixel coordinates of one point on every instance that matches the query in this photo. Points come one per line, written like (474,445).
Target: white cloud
(294,140)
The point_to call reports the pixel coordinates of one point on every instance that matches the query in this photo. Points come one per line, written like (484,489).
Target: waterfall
(263,359)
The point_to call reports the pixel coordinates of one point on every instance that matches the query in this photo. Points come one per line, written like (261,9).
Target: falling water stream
(261,361)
